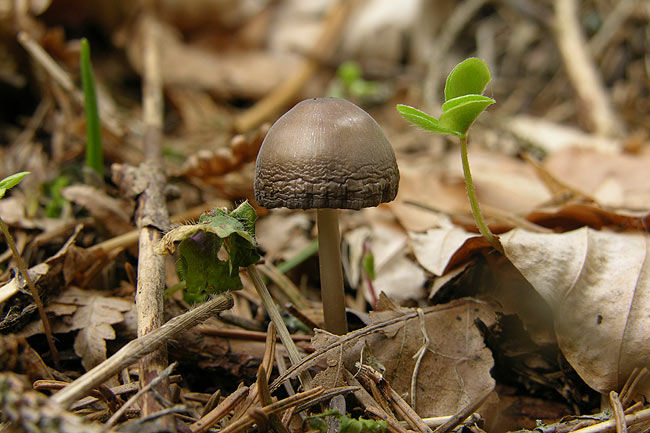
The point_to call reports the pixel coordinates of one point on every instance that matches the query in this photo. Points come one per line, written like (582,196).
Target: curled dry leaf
(598,286)
(435,248)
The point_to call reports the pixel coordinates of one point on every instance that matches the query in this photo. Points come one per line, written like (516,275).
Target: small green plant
(464,102)
(349,83)
(94,155)
(199,246)
(347,424)
(53,192)
(211,253)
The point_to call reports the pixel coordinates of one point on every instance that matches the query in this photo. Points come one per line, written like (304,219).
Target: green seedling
(347,424)
(6,184)
(210,256)
(464,102)
(94,155)
(54,193)
(349,83)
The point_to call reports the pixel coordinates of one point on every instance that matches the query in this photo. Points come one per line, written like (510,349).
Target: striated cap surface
(325,153)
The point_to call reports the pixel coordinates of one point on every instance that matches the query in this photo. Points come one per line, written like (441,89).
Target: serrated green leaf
(422,119)
(241,254)
(11,181)
(201,268)
(245,213)
(199,265)
(468,77)
(461,116)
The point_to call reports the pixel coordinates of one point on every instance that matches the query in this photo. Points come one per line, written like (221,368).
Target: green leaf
(349,72)
(202,270)
(461,112)
(11,181)
(368,264)
(468,77)
(422,119)
(199,265)
(94,155)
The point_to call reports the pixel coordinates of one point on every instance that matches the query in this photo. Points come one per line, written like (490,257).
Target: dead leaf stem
(164,375)
(419,355)
(283,332)
(608,425)
(464,412)
(629,389)
(216,414)
(398,403)
(247,421)
(619,413)
(34,291)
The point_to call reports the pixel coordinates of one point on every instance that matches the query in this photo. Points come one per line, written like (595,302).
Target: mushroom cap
(325,153)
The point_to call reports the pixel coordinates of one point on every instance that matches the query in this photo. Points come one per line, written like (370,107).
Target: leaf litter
(548,328)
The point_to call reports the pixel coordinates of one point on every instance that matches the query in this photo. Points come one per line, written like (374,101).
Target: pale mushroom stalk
(331,274)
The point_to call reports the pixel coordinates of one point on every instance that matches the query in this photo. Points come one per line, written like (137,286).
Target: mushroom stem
(331,274)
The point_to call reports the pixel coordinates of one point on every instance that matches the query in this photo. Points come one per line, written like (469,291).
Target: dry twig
(151,219)
(582,73)
(282,95)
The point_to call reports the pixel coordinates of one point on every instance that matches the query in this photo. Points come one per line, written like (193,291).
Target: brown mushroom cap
(325,153)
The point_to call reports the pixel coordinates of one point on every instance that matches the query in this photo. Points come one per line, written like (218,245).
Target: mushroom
(327,154)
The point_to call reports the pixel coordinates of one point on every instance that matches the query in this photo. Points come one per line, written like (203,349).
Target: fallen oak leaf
(453,370)
(598,286)
(94,318)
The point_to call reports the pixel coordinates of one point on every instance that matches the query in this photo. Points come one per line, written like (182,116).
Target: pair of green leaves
(199,264)
(464,101)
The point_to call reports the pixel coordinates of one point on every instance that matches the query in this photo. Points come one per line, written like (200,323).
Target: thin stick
(282,95)
(247,421)
(136,349)
(419,356)
(118,414)
(151,217)
(582,72)
(216,414)
(398,403)
(276,318)
(37,298)
(619,413)
(464,412)
(608,425)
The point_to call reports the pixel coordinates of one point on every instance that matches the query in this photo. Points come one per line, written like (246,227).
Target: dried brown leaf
(598,285)
(113,213)
(455,367)
(94,316)
(615,180)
